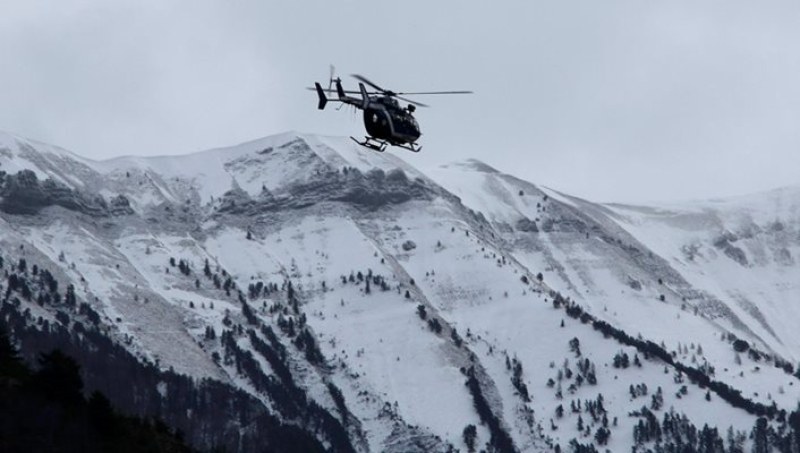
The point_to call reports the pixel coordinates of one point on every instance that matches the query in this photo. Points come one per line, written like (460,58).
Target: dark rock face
(731,251)
(527,225)
(236,201)
(371,191)
(120,206)
(736,254)
(23,193)
(376,189)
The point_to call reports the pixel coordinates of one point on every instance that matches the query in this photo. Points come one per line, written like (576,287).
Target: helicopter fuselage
(384,119)
(386,122)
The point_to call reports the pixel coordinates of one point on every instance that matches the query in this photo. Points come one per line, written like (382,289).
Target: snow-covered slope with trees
(299,290)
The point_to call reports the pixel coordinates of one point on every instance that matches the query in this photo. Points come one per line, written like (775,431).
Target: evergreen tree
(59,378)
(69,298)
(11,365)
(101,413)
(602,435)
(470,434)
(760,436)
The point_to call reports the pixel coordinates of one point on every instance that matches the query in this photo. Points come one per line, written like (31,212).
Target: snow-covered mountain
(299,290)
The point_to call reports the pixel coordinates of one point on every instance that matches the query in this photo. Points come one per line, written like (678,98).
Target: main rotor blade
(329,90)
(368,82)
(392,93)
(433,92)
(418,104)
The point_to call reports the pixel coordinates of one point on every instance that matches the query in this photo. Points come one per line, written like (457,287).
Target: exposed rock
(120,206)
(731,251)
(527,225)
(563,225)
(23,193)
(736,254)
(634,284)
(236,201)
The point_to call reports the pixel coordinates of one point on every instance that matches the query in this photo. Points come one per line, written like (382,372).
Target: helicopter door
(377,123)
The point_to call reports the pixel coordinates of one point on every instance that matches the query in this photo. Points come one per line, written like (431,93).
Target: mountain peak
(232,265)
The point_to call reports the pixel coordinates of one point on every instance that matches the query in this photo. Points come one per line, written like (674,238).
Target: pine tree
(602,435)
(59,378)
(69,298)
(760,436)
(470,434)
(11,364)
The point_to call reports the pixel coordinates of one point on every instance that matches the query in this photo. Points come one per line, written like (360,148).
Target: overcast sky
(608,100)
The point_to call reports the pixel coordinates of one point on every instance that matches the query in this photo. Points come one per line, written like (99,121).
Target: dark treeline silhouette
(44,410)
(499,438)
(675,433)
(289,399)
(210,414)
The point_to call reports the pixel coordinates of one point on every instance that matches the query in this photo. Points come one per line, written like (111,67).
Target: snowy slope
(741,250)
(408,285)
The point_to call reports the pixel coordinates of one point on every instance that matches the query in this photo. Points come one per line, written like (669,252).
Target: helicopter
(386,121)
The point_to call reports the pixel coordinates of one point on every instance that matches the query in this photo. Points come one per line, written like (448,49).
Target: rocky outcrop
(371,191)
(120,206)
(527,225)
(23,193)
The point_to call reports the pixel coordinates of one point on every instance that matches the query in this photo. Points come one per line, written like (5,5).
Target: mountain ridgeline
(298,293)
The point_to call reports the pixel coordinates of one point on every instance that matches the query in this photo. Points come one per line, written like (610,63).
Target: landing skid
(371,143)
(414,148)
(380,145)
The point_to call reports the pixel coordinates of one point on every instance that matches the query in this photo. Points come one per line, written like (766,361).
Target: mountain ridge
(399,304)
